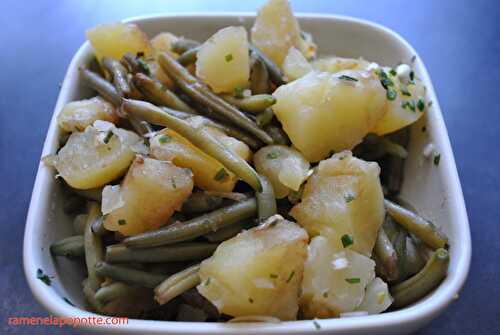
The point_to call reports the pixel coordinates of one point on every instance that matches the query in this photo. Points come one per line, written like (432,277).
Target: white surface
(434,190)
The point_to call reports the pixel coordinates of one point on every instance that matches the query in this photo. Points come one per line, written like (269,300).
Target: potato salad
(244,178)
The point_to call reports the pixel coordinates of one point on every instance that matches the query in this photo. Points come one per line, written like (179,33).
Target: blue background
(457,40)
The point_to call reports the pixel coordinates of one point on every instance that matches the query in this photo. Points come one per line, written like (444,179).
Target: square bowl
(434,190)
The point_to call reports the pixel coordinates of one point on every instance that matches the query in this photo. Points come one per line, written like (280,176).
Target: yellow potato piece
(86,161)
(78,115)
(321,112)
(209,174)
(163,42)
(295,65)
(258,272)
(343,197)
(335,279)
(335,64)
(115,39)
(151,191)
(276,30)
(223,62)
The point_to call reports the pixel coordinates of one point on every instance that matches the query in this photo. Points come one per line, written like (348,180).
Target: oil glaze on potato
(151,191)
(86,161)
(258,272)
(321,112)
(335,279)
(343,197)
(78,115)
(223,61)
(285,168)
(115,39)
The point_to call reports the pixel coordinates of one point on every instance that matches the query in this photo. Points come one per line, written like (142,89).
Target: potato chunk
(115,39)
(150,193)
(276,30)
(209,174)
(163,42)
(322,112)
(94,158)
(295,65)
(334,279)
(78,115)
(335,64)
(343,197)
(285,168)
(257,272)
(408,106)
(223,61)
(377,297)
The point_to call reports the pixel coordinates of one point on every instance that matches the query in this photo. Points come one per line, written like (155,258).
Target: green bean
(98,227)
(393,148)
(387,255)
(391,228)
(79,223)
(198,226)
(73,205)
(89,293)
(266,201)
(119,253)
(179,114)
(277,134)
(394,174)
(274,72)
(177,284)
(414,261)
(69,247)
(114,291)
(141,127)
(94,251)
(191,314)
(129,275)
(94,194)
(226,233)
(155,92)
(423,250)
(183,44)
(101,85)
(259,77)
(400,248)
(189,56)
(119,74)
(193,298)
(423,282)
(254,103)
(198,137)
(264,118)
(417,225)
(135,64)
(201,202)
(201,93)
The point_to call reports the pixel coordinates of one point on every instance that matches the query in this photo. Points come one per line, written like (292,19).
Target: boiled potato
(342,200)
(150,193)
(163,42)
(223,61)
(116,39)
(335,64)
(295,65)
(257,272)
(377,297)
(276,30)
(78,115)
(209,174)
(285,168)
(334,279)
(307,46)
(406,108)
(94,158)
(324,112)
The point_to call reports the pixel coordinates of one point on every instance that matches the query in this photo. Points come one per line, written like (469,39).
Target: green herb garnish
(437,159)
(424,129)
(122,222)
(404,90)
(207,282)
(172,181)
(349,78)
(347,240)
(348,197)
(238,92)
(221,175)
(108,137)
(408,105)
(43,277)
(229,57)
(290,276)
(354,280)
(144,67)
(392,72)
(391,94)
(273,155)
(325,294)
(273,275)
(250,300)
(316,325)
(165,139)
(412,75)
(420,105)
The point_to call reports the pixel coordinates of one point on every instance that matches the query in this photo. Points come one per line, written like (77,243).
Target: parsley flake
(273,155)
(122,222)
(392,72)
(108,137)
(412,75)
(391,94)
(229,57)
(347,240)
(43,277)
(164,139)
(408,105)
(348,78)
(420,105)
(404,90)
(354,280)
(348,197)
(437,159)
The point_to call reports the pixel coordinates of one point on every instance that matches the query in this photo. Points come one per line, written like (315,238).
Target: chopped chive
(68,301)
(354,280)
(392,72)
(429,104)
(273,275)
(347,240)
(420,105)
(349,78)
(172,180)
(164,139)
(250,300)
(391,94)
(43,277)
(122,222)
(325,294)
(108,137)
(229,57)
(341,158)
(221,175)
(408,105)
(140,54)
(348,197)
(424,129)
(437,159)
(386,82)
(144,67)
(413,58)
(273,155)
(404,90)
(316,325)
(238,92)
(412,75)
(290,276)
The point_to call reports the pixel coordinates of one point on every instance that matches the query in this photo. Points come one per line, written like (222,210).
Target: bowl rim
(421,311)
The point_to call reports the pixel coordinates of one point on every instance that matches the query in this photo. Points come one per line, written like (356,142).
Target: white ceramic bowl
(434,190)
